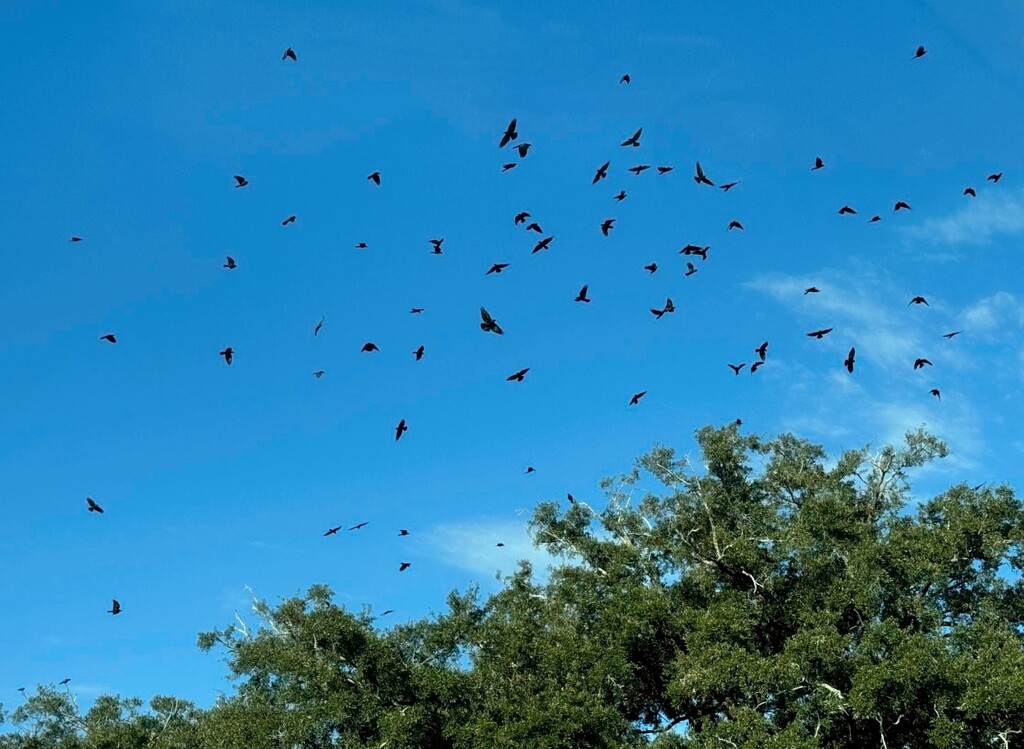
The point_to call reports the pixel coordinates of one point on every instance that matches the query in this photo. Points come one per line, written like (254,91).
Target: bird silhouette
(289,54)
(700,178)
(358,526)
(401,429)
(624,79)
(633,140)
(404,566)
(811,290)
(436,243)
(93,507)
(665,169)
(690,269)
(361,246)
(632,401)
(936,393)
(534,226)
(416,310)
(230,264)
(319,325)
(241,181)
(530,469)
(900,206)
(993,178)
(970,191)
(333,531)
(496,268)
(819,334)
(602,172)
(518,376)
(64,683)
(115,608)
(75,239)
(755,366)
(319,373)
(510,134)
(735,225)
(918,300)
(369,346)
(509,165)
(523,149)
(653,268)
(289,220)
(228,354)
(621,196)
(737,367)
(639,168)
(818,163)
(582,296)
(846,210)
(489,324)
(874,219)
(542,245)
(850,359)
(921,363)
(669,307)
(418,353)
(728,186)
(387,611)
(920,52)
(521,217)
(109,337)
(572,499)
(692,249)
(607,225)
(953,334)
(762,350)
(375,178)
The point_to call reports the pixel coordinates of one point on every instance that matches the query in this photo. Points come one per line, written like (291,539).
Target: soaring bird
(936,393)
(496,268)
(954,333)
(534,226)
(530,469)
(669,307)
(900,205)
(289,54)
(518,376)
(403,532)
(523,149)
(874,219)
(333,531)
(582,296)
(400,430)
(665,169)
(64,683)
(289,220)
(404,566)
(700,178)
(621,196)
(510,134)
(735,225)
(230,264)
(921,363)
(632,401)
(509,165)
(361,246)
(728,186)
(437,245)
(633,140)
(489,324)
(358,526)
(639,168)
(109,337)
(78,239)
(375,178)
(542,245)
(754,367)
(849,360)
(624,79)
(970,191)
(818,163)
(369,346)
(228,355)
(602,172)
(93,507)
(846,210)
(242,181)
(993,178)
(521,217)
(319,325)
(920,52)
(918,300)
(416,310)
(811,290)
(737,367)
(115,608)
(690,269)
(762,350)
(319,373)
(692,249)
(819,334)
(607,225)
(418,353)
(653,268)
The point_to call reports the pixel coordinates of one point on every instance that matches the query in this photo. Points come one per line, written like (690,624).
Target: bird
(510,134)
(632,401)
(669,307)
(319,325)
(700,178)
(921,363)
(404,566)
(737,367)
(621,196)
(387,611)
(75,239)
(289,54)
(811,290)
(242,181)
(735,225)
(521,217)
(518,376)
(993,178)
(416,310)
(115,608)
(529,469)
(920,52)
(418,353)
(509,165)
(665,169)
(582,296)
(361,246)
(874,219)
(918,300)
(690,269)
(228,355)
(970,191)
(65,682)
(572,499)
(403,532)
(849,360)
(93,507)
(489,324)
(289,220)
(534,226)
(936,393)
(653,268)
(375,178)
(602,172)
(437,245)
(633,140)
(369,346)
(846,210)
(954,333)
(607,225)
(639,168)
(109,337)
(819,334)
(762,350)
(728,186)
(755,365)
(319,373)
(496,268)
(333,531)
(542,245)
(692,249)
(357,526)
(401,429)
(900,205)
(624,79)
(523,149)
(818,163)
(499,544)
(230,264)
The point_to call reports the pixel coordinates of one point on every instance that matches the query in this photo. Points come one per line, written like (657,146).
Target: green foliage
(764,597)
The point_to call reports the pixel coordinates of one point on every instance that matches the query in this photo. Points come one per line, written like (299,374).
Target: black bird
(735,225)
(530,469)
(489,324)
(653,267)
(700,178)
(755,365)
(918,300)
(319,373)
(361,246)
(582,296)
(509,165)
(900,205)
(993,178)
(316,330)
(624,79)
(690,269)
(819,334)
(607,225)
(400,430)
(542,245)
(357,526)
(811,290)
(762,350)
(534,226)
(230,264)
(109,337)
(951,335)
(93,507)
(333,531)
(510,134)
(289,220)
(437,245)
(75,239)
(669,307)
(404,566)
(572,499)
(921,363)
(818,163)
(375,178)
(228,355)
(873,219)
(737,367)
(496,268)
(289,54)
(65,682)
(602,172)
(416,310)
(523,149)
(920,52)
(936,393)
(846,210)
(518,376)
(388,611)
(621,196)
(632,401)
(728,186)
(242,181)
(403,532)
(633,140)
(499,544)
(692,249)
(849,360)
(970,191)
(418,353)
(639,168)
(115,608)
(369,346)
(521,218)
(665,169)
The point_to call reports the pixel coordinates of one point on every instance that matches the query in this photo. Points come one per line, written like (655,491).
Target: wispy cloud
(472,545)
(992,317)
(977,222)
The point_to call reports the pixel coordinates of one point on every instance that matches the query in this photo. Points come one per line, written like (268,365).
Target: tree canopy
(765,596)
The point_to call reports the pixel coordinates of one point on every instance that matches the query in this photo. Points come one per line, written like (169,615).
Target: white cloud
(977,222)
(472,545)
(992,317)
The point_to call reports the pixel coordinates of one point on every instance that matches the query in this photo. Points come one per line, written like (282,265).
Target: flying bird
(510,134)
(93,507)
(846,210)
(369,346)
(418,353)
(403,532)
(754,367)
(621,196)
(811,290)
(242,181)
(333,531)
(993,178)
(386,612)
(639,168)
(918,300)
(582,296)
(228,355)
(400,430)
(542,245)
(109,337)
(602,172)
(954,333)
(669,307)
(607,225)
(874,219)
(700,178)
(735,225)
(737,367)
(437,245)
(819,334)
(920,52)
(921,363)
(319,373)
(404,566)
(416,310)
(632,401)
(970,191)
(690,269)
(665,169)
(633,140)
(818,163)
(375,178)
(653,267)
(521,217)
(489,324)
(289,54)
(534,226)
(936,393)
(518,376)
(115,608)
(849,360)
(523,149)
(319,325)
(509,165)
(230,264)
(357,526)
(289,220)
(361,246)
(624,79)
(762,350)
(728,186)
(65,682)
(75,239)
(496,268)
(900,205)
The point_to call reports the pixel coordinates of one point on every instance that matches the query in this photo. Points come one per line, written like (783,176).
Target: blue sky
(124,124)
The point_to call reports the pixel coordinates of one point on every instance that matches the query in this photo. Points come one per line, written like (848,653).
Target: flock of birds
(489,324)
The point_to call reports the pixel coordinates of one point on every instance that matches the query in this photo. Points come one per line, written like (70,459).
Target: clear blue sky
(123,124)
